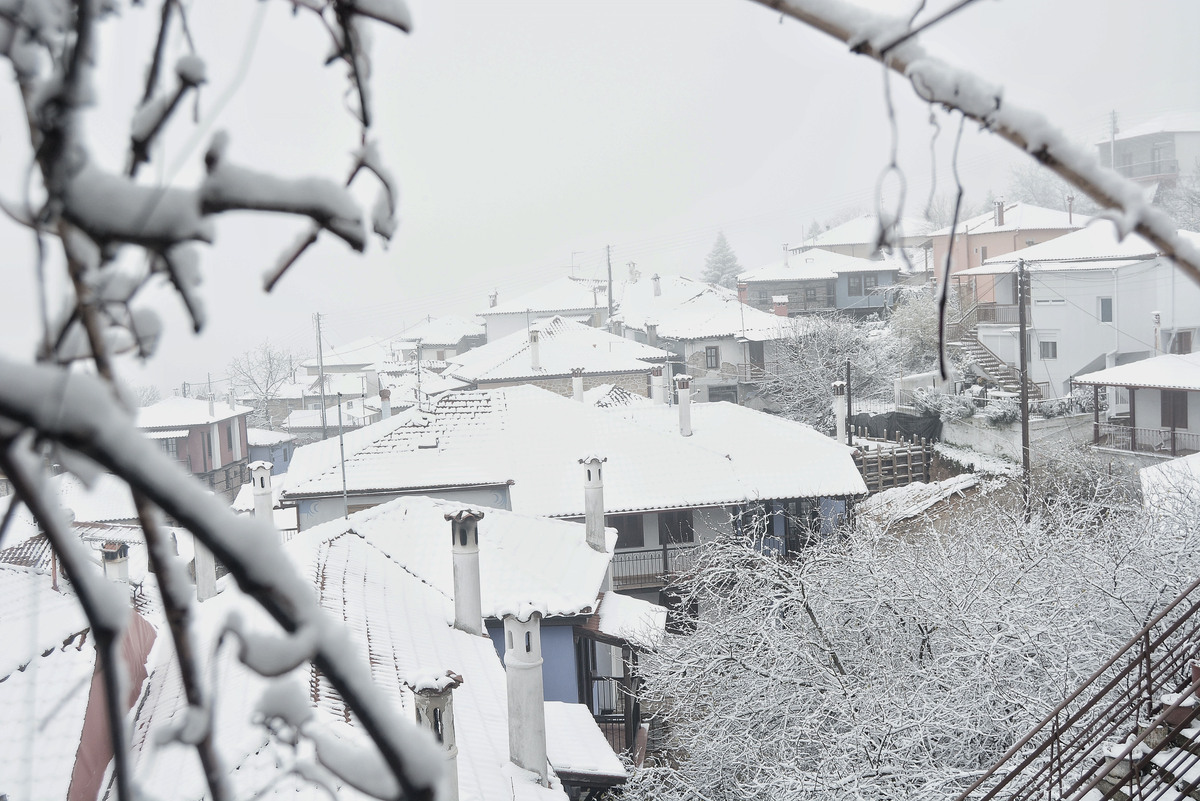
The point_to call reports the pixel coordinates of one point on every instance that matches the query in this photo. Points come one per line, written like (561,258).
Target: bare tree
(259,374)
(877,667)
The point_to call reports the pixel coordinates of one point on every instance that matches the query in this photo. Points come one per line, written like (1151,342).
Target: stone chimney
(385,401)
(260,477)
(839,409)
(526,700)
(433,698)
(206,572)
(656,384)
(743,292)
(115,558)
(618,328)
(493,299)
(657,283)
(468,604)
(652,334)
(683,391)
(780,303)
(577,383)
(535,355)
(593,501)
(999,212)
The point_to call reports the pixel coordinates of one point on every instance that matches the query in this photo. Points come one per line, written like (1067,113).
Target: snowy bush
(947,407)
(1001,411)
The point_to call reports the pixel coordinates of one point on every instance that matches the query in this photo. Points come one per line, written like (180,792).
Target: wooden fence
(892,463)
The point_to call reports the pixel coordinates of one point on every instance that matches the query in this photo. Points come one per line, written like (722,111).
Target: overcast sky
(525,136)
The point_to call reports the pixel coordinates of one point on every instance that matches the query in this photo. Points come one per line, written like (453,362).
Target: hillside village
(908,512)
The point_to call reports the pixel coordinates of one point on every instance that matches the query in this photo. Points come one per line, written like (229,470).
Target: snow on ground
(977,462)
(902,503)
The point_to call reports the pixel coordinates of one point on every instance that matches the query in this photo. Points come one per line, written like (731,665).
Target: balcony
(1159,441)
(1150,169)
(643,568)
(998,313)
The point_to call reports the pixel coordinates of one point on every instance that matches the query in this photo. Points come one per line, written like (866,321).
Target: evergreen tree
(721,266)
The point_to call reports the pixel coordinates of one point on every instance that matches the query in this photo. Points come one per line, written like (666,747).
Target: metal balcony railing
(1149,169)
(1161,441)
(650,567)
(1115,735)
(998,313)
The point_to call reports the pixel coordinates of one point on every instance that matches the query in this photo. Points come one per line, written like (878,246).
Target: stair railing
(965,322)
(1057,766)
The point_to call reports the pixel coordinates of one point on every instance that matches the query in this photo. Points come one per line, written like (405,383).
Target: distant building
(275,447)
(583,300)
(859,237)
(1155,152)
(440,339)
(817,280)
(207,437)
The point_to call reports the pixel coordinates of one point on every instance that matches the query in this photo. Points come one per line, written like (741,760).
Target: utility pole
(1112,141)
(1022,296)
(342,453)
(418,398)
(608,257)
(321,374)
(849,425)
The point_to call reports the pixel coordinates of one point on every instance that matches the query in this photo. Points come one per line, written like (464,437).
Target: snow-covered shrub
(1001,411)
(947,407)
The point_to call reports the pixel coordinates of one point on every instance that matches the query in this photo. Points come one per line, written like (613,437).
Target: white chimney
(115,557)
(683,390)
(385,401)
(433,698)
(656,384)
(657,285)
(493,299)
(999,214)
(468,605)
(535,356)
(264,503)
(593,501)
(652,334)
(839,409)
(526,700)
(206,572)
(577,383)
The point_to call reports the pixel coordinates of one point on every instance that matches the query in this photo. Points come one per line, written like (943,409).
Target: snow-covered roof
(902,503)
(534,438)
(816,265)
(399,622)
(1177,122)
(523,560)
(608,395)
(633,620)
(186,412)
(263,438)
(562,347)
(1096,247)
(1169,371)
(576,747)
(863,230)
(1173,486)
(447,330)
(46,669)
(107,500)
(1018,217)
(563,294)
(688,310)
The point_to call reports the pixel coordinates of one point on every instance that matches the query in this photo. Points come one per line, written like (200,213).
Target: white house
(584,300)
(1095,302)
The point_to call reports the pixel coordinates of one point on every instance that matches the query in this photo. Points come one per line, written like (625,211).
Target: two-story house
(440,339)
(1094,302)
(584,300)
(207,437)
(817,280)
(1155,151)
(859,237)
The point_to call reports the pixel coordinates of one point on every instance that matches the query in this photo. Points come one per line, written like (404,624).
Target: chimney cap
(385,394)
(432,683)
(593,457)
(576,372)
(464,514)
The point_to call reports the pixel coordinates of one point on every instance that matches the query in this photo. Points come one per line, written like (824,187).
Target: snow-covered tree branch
(891,41)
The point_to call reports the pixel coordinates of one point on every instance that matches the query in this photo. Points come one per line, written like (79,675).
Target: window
(854,285)
(1174,409)
(762,297)
(1181,342)
(728,394)
(170,446)
(1049,350)
(229,436)
(982,254)
(629,530)
(1105,310)
(870,281)
(712,357)
(675,527)
(441,355)
(810,294)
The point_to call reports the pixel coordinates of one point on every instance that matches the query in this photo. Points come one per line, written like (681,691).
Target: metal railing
(998,313)
(1146,169)
(1162,441)
(650,567)
(965,322)
(1106,736)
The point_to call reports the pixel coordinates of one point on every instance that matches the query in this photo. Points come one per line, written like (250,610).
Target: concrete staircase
(1006,377)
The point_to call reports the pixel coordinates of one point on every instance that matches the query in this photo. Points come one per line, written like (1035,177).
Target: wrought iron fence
(1162,441)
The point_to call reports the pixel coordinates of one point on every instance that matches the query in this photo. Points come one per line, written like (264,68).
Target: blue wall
(559,682)
(875,300)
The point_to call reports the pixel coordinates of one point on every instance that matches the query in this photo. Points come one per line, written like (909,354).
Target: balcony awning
(177,433)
